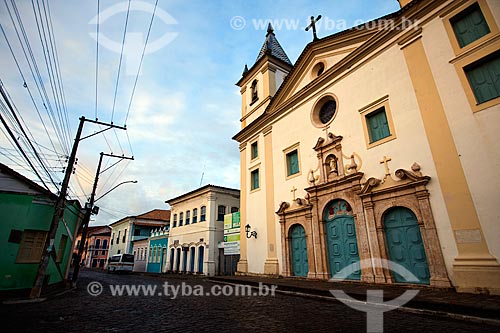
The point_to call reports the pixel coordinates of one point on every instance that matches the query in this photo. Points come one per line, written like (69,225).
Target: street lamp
(128,181)
(89,210)
(249,233)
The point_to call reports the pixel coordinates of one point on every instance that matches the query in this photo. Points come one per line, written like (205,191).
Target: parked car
(121,262)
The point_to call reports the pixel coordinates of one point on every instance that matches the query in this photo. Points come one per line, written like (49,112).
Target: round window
(327,111)
(318,69)
(324,111)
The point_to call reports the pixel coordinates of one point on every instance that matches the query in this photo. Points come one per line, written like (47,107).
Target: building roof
(272,46)
(272,49)
(153,215)
(31,184)
(156,214)
(100,230)
(201,189)
(151,224)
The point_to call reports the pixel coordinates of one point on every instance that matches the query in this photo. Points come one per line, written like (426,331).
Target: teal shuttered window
(484,78)
(469,25)
(292,163)
(255,150)
(378,128)
(254,179)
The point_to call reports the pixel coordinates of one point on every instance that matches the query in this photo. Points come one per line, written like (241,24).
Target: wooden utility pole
(59,208)
(89,206)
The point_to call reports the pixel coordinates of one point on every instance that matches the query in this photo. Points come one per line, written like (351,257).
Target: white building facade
(378,143)
(197,228)
(126,231)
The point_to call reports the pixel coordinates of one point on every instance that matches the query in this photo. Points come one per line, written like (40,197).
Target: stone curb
(418,306)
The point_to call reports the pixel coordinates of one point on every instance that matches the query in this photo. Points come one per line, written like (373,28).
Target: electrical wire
(140,63)
(97,59)
(120,63)
(35,72)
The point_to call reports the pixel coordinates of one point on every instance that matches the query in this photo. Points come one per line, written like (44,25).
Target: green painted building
(26,211)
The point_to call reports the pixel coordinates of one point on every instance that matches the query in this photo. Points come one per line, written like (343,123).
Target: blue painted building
(157,257)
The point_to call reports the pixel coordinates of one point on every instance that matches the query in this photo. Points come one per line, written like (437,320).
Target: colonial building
(378,143)
(158,242)
(96,254)
(197,228)
(26,211)
(140,251)
(133,228)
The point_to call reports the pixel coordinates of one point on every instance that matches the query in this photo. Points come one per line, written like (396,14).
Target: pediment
(310,71)
(329,52)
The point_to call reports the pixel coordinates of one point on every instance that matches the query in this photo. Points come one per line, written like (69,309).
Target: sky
(185,108)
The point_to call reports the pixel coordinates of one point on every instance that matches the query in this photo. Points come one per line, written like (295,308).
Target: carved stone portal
(370,200)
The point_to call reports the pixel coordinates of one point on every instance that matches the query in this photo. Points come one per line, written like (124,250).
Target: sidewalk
(444,301)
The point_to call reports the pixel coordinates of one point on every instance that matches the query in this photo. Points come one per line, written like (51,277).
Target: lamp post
(89,208)
(249,233)
(125,182)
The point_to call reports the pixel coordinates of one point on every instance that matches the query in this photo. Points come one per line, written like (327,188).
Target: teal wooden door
(341,238)
(299,251)
(405,245)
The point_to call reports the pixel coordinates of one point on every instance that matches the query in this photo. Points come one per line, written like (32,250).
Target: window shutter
(378,126)
(292,160)
(31,247)
(485,80)
(470,25)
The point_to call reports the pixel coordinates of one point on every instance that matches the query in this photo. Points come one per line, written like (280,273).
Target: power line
(27,88)
(57,63)
(21,150)
(120,63)
(9,106)
(142,58)
(129,144)
(97,60)
(37,77)
(42,32)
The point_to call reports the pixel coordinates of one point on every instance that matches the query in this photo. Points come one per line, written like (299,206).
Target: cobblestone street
(78,311)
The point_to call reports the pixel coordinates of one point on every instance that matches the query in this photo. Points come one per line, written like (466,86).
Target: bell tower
(259,83)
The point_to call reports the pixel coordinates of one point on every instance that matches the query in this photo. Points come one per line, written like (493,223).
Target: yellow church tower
(258,86)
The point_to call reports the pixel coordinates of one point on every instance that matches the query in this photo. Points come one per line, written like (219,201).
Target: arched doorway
(184,259)
(201,254)
(341,238)
(191,262)
(172,254)
(163,260)
(298,249)
(178,261)
(404,244)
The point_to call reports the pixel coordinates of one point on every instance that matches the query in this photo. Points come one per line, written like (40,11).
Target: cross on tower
(386,165)
(313,26)
(293,191)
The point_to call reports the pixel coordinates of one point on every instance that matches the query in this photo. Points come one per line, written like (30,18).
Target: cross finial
(313,26)
(386,165)
(293,191)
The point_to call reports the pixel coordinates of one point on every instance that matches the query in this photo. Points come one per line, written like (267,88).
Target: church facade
(377,146)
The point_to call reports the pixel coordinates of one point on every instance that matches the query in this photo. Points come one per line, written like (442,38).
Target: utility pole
(89,206)
(59,208)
